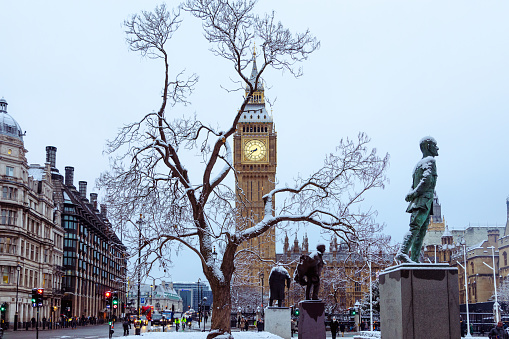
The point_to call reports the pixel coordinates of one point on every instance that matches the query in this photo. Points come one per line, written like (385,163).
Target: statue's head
(429,146)
(320,248)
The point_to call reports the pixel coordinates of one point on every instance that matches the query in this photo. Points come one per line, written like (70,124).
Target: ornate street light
(261,275)
(17,287)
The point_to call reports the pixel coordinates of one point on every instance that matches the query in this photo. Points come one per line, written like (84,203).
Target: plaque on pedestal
(278,321)
(419,301)
(312,319)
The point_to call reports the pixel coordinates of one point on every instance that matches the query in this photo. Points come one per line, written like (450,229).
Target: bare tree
(187,205)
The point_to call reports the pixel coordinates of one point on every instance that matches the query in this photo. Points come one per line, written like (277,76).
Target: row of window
(254,129)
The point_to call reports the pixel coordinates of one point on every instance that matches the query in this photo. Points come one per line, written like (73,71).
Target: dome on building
(9,126)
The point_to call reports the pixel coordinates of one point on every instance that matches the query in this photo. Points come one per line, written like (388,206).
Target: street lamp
(199,305)
(466,287)
(261,275)
(495,305)
(203,305)
(371,297)
(17,287)
(139,267)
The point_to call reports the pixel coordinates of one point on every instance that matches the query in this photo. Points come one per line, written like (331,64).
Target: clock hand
(256,149)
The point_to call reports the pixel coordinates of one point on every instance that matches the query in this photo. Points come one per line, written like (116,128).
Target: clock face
(255,150)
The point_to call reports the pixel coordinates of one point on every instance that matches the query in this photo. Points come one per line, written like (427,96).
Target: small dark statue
(309,270)
(277,279)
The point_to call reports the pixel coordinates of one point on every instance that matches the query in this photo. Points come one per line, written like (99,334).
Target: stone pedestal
(312,319)
(278,321)
(419,301)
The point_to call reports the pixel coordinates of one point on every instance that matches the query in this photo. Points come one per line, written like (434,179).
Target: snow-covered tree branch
(188,205)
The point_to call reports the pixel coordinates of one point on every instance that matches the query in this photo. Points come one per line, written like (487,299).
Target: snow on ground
(203,335)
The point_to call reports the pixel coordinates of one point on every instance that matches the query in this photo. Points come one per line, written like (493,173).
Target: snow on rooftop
(36,172)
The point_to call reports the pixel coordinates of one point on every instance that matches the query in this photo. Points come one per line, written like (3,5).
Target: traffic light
(353,311)
(114,302)
(37,296)
(107,296)
(296,312)
(34,296)
(2,307)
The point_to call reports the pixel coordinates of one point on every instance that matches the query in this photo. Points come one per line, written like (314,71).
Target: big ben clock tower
(255,165)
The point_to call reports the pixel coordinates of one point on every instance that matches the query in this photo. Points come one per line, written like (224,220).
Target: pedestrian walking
(498,332)
(342,329)
(334,325)
(125,324)
(177,324)
(259,325)
(33,322)
(246,325)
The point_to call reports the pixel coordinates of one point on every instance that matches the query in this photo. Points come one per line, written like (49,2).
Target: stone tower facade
(255,161)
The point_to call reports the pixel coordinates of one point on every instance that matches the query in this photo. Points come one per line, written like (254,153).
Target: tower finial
(254,49)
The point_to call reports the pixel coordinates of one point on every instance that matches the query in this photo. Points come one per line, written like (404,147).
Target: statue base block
(419,301)
(312,319)
(278,321)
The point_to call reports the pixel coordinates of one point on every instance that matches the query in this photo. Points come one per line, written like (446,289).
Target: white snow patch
(36,173)
(203,335)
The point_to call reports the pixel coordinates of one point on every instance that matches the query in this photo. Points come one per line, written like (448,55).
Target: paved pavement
(101,331)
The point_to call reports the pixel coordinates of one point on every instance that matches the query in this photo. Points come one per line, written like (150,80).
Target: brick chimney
(69,176)
(83,189)
(51,156)
(104,211)
(93,199)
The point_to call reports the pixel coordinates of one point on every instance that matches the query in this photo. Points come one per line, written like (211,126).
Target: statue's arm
(425,184)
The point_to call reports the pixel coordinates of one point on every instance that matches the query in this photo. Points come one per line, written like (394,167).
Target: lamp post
(203,305)
(261,275)
(17,287)
(370,298)
(495,305)
(139,265)
(469,335)
(199,304)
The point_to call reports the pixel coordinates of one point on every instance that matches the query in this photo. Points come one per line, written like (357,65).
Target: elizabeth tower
(255,166)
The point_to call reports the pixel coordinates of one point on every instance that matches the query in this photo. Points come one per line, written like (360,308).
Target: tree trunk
(221,308)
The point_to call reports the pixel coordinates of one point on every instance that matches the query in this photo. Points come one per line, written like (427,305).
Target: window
(9,193)
(505,258)
(8,217)
(9,171)
(8,245)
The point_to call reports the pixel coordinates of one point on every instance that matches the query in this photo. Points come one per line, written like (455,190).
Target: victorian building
(51,237)
(345,277)
(94,259)
(31,235)
(480,245)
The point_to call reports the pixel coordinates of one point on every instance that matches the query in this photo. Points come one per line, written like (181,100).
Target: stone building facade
(255,162)
(51,237)
(480,245)
(31,235)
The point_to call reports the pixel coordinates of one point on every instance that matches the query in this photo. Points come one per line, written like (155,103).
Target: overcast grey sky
(397,70)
